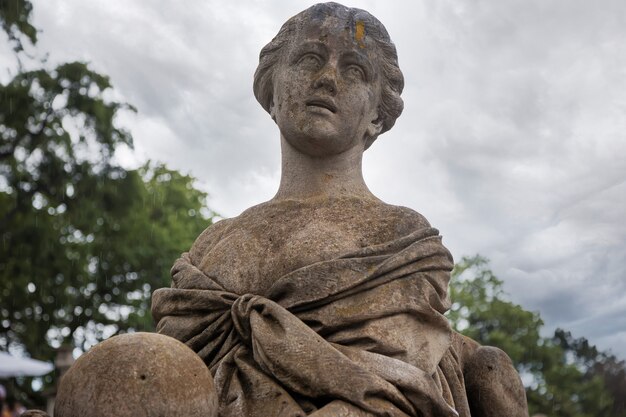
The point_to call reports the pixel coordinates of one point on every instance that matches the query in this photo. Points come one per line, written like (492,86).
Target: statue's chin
(319,138)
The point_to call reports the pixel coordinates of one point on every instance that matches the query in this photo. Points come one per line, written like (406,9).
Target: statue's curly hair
(391,103)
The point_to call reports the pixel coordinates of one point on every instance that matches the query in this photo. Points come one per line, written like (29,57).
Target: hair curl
(391,103)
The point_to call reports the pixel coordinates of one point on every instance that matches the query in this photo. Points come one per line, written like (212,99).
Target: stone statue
(326,301)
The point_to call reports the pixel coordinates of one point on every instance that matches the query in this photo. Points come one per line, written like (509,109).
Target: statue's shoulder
(403,219)
(215,232)
(209,237)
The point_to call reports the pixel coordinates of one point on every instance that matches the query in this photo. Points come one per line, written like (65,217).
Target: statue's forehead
(326,28)
(327,25)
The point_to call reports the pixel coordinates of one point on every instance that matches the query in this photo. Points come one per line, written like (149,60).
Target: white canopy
(11,366)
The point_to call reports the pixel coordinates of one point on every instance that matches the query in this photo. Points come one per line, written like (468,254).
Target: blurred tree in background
(564,376)
(83,242)
(14,19)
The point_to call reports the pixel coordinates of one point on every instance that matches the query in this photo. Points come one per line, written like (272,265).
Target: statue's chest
(249,259)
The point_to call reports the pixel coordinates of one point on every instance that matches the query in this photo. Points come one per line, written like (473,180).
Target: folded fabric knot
(240,315)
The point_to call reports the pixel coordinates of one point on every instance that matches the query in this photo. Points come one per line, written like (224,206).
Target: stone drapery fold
(315,338)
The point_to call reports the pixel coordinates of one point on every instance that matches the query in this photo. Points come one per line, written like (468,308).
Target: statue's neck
(304,176)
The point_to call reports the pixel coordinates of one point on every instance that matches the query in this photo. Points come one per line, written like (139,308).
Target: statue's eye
(310,61)
(356,72)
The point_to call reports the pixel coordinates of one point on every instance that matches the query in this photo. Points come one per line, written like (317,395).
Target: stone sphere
(138,375)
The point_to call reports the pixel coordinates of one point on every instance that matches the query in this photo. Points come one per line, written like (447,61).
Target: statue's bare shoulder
(406,219)
(373,220)
(211,235)
(274,238)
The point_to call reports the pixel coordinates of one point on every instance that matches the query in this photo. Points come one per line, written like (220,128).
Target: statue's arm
(493,386)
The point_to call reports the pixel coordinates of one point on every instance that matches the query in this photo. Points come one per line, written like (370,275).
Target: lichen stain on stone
(359,33)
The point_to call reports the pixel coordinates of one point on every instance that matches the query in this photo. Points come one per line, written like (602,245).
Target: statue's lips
(325,104)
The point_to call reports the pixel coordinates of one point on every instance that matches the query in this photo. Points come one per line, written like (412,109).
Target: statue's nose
(327,79)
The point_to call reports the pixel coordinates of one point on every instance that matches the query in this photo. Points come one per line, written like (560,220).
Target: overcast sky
(512,141)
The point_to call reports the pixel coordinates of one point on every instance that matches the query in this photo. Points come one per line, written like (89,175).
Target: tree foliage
(565,377)
(83,241)
(14,20)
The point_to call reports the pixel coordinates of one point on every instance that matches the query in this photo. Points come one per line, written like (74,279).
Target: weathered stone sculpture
(325,301)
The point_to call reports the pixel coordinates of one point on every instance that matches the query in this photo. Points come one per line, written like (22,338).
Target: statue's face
(327,88)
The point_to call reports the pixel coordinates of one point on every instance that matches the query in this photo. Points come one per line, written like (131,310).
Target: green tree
(83,242)
(597,365)
(564,378)
(14,20)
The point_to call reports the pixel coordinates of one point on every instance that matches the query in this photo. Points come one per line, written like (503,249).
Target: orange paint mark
(359,34)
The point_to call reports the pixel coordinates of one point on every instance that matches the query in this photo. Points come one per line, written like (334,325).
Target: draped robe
(362,333)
